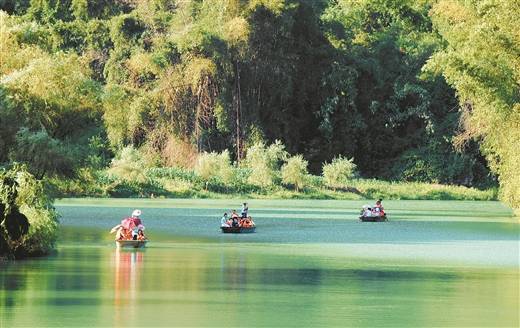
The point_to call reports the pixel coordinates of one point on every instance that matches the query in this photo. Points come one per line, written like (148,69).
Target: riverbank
(179,184)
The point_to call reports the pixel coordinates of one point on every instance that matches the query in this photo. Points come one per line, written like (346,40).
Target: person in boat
(224,222)
(234,218)
(244,211)
(248,222)
(123,234)
(120,233)
(136,213)
(366,211)
(140,235)
(379,208)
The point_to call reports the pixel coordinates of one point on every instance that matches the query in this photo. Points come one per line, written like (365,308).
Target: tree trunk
(238,113)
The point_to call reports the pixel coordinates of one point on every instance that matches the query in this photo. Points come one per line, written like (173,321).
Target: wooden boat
(373,218)
(238,229)
(131,243)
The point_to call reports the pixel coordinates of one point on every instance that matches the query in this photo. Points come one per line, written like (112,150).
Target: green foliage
(28,223)
(115,102)
(213,164)
(79,9)
(98,35)
(337,173)
(183,183)
(54,92)
(295,172)
(51,104)
(375,189)
(47,11)
(98,154)
(413,167)
(27,33)
(71,35)
(43,154)
(481,62)
(265,162)
(397,116)
(129,165)
(14,6)
(7,128)
(126,30)
(332,79)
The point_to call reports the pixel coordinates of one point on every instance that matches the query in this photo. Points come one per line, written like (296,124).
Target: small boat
(131,243)
(373,218)
(238,229)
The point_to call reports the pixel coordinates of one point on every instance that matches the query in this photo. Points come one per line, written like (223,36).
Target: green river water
(310,263)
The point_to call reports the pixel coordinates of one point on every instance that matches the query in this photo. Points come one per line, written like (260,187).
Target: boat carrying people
(374,213)
(238,224)
(130,232)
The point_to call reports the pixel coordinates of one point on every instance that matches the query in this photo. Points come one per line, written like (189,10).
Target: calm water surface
(309,264)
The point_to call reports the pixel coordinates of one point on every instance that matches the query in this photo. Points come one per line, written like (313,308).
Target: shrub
(374,189)
(338,172)
(211,165)
(125,188)
(42,153)
(171,173)
(42,233)
(295,172)
(265,163)
(179,153)
(315,181)
(128,165)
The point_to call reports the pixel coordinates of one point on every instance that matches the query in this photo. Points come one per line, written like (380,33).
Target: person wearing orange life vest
(234,218)
(140,235)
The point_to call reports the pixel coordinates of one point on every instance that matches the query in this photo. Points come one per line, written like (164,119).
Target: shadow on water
(11,282)
(314,276)
(75,272)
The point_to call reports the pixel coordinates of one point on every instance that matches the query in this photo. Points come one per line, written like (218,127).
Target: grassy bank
(178,183)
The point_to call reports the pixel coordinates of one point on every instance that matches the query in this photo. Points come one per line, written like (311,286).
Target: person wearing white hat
(135,231)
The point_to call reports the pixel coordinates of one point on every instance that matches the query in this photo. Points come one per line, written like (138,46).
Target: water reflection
(204,286)
(8,284)
(127,282)
(304,273)
(233,270)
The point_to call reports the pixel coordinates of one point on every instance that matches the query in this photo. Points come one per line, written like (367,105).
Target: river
(310,263)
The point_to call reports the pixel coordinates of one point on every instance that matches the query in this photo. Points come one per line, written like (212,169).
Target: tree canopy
(482,62)
(410,90)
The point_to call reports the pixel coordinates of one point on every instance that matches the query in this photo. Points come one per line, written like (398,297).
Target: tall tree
(481,61)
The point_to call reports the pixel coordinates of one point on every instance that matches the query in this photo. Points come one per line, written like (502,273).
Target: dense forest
(422,91)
